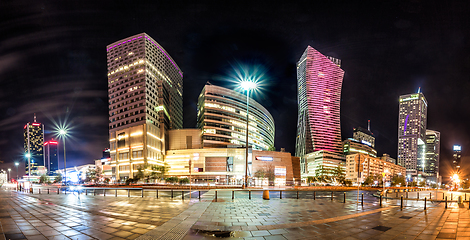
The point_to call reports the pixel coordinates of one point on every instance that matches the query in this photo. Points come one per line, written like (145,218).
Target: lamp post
(28,155)
(16,164)
(247,85)
(9,174)
(63,133)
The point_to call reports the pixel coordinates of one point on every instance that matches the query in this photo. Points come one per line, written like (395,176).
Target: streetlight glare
(62,132)
(28,155)
(248,85)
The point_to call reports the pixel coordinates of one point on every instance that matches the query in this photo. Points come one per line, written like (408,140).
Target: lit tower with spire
(33,145)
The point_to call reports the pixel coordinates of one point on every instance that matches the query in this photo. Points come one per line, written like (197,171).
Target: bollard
(418,195)
(430,196)
(216,195)
(199,194)
(442,196)
(171,193)
(31,191)
(380,200)
(465,197)
(249,194)
(115,192)
(128,193)
(156,193)
(280,194)
(233,194)
(58,190)
(331,196)
(406,194)
(142,192)
(104,192)
(39,191)
(86,191)
(182,195)
(401,203)
(297,194)
(48,191)
(314,195)
(451,196)
(344,197)
(362,199)
(94,192)
(446,202)
(424,203)
(396,194)
(266,194)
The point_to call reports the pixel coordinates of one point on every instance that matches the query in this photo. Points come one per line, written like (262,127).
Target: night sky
(53,62)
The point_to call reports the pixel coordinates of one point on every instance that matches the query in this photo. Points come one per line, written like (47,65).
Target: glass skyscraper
(51,156)
(412,131)
(145,87)
(428,165)
(319,80)
(34,145)
(222,119)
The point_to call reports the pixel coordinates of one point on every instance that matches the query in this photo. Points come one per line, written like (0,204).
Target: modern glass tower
(429,164)
(51,156)
(34,145)
(319,80)
(145,87)
(456,158)
(412,131)
(222,119)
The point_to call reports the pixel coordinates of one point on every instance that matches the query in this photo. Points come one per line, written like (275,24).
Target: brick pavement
(25,216)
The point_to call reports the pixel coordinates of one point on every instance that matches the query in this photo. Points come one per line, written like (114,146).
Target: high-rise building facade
(411,131)
(429,164)
(319,81)
(353,146)
(365,136)
(51,156)
(145,87)
(33,145)
(222,119)
(456,158)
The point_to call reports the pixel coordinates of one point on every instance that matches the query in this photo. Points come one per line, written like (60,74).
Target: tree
(398,180)
(171,179)
(413,184)
(183,180)
(368,181)
(58,178)
(158,172)
(311,180)
(422,183)
(465,184)
(339,175)
(260,175)
(106,180)
(90,175)
(139,175)
(43,179)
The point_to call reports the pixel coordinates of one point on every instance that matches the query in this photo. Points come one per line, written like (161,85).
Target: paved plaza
(73,216)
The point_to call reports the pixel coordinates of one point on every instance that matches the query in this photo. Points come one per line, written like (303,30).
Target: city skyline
(62,64)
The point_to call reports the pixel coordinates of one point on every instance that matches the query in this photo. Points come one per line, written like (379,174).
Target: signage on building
(264,159)
(457,148)
(280,171)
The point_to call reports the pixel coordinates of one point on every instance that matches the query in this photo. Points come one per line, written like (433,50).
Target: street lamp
(28,155)
(63,134)
(9,174)
(247,85)
(16,164)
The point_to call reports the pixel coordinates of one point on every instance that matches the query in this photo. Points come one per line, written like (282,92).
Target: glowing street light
(63,135)
(247,85)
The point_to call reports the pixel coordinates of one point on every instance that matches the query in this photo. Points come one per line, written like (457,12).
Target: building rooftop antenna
(368,125)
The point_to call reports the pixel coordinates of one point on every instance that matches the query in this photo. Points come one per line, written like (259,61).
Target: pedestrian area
(26,216)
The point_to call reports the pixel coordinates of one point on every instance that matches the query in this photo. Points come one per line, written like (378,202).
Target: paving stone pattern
(26,216)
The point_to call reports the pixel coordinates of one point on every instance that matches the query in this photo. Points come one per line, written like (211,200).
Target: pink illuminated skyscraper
(319,80)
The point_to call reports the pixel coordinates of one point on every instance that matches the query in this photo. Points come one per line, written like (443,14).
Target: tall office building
(411,131)
(222,119)
(456,158)
(365,136)
(319,80)
(145,88)
(429,164)
(51,156)
(34,145)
